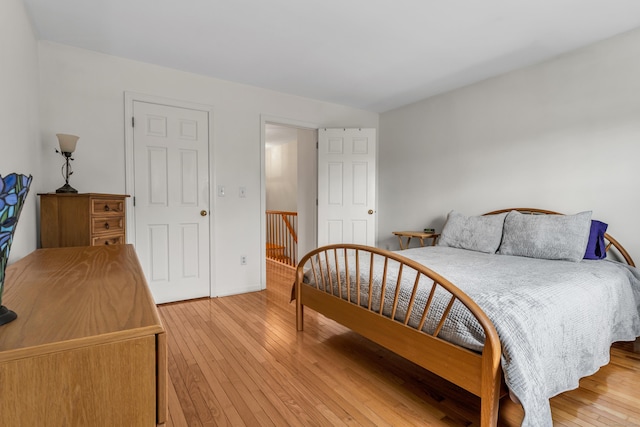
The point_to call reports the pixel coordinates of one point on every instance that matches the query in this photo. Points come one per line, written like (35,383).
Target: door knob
(203,213)
(370,212)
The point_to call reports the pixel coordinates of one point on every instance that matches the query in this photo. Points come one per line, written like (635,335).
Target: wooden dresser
(88,347)
(89,219)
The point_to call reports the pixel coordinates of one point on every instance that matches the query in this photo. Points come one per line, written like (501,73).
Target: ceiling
(375,55)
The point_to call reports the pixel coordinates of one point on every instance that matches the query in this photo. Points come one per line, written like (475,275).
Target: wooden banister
(282,236)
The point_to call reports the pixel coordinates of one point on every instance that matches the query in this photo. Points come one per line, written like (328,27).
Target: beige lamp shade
(67,142)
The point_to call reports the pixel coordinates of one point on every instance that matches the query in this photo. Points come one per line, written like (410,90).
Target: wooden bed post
(299,316)
(299,306)
(491,382)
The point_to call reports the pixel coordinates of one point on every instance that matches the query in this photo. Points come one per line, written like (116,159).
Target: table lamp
(67,147)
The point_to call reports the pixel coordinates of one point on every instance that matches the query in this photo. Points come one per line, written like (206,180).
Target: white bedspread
(556,319)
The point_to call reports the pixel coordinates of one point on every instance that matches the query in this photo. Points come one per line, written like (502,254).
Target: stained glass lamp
(13,193)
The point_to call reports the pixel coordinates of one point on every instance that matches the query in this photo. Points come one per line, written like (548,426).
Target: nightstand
(418,234)
(89,219)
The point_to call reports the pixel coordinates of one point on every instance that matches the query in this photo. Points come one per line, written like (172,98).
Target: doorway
(281,188)
(289,191)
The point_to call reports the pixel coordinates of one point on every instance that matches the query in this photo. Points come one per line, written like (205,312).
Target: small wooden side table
(418,234)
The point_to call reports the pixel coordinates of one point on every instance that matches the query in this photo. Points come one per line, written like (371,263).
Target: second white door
(346,186)
(170,148)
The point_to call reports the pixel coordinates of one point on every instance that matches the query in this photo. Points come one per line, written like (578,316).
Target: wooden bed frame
(478,373)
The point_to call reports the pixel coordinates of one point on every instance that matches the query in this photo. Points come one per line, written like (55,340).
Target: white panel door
(346,186)
(171,189)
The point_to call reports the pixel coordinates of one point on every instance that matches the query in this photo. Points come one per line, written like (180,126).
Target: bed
(495,314)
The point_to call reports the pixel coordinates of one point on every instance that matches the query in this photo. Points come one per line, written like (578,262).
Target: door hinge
(133,121)
(317,145)
(134,200)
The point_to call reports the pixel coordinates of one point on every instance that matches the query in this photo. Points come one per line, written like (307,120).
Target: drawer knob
(106,242)
(106,208)
(106,225)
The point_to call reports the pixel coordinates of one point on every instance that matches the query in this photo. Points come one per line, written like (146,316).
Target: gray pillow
(475,233)
(546,236)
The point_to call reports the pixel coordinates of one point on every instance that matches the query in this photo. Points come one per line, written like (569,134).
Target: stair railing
(282,237)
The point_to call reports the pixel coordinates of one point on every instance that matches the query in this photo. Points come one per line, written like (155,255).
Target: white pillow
(475,233)
(546,236)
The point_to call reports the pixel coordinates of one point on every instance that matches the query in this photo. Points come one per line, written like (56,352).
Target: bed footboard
(376,292)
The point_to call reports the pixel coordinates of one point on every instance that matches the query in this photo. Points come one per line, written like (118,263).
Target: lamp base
(66,189)
(6,315)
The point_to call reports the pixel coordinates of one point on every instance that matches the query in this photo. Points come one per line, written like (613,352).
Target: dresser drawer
(108,240)
(107,207)
(113,225)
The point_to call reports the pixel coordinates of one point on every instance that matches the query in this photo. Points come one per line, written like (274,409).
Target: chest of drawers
(90,219)
(88,347)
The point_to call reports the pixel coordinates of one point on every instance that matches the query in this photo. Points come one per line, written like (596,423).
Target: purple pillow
(595,245)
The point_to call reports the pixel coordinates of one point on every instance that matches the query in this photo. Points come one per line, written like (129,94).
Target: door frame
(129,180)
(264,120)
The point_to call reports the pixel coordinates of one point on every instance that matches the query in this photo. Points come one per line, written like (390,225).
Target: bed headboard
(610,241)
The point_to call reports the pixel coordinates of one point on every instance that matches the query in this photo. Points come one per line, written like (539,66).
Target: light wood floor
(238,360)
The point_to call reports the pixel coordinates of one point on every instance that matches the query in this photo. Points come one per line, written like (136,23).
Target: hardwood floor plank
(300,394)
(246,362)
(221,395)
(308,372)
(178,381)
(280,357)
(208,409)
(239,361)
(176,416)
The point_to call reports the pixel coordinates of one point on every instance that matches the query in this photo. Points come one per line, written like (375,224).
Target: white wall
(307,190)
(563,135)
(82,93)
(281,173)
(19,144)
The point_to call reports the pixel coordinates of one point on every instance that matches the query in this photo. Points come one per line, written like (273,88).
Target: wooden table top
(415,234)
(72,297)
